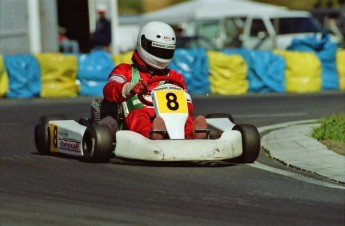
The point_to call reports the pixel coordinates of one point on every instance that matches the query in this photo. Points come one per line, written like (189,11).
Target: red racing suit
(140,117)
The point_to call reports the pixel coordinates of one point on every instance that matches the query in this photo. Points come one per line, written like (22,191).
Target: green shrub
(331,128)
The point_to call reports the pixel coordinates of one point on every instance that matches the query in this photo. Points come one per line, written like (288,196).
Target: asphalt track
(61,190)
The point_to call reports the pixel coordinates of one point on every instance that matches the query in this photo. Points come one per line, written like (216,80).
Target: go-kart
(96,142)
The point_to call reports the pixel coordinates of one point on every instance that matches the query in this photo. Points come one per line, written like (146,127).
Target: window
(257,27)
(233,31)
(209,29)
(295,25)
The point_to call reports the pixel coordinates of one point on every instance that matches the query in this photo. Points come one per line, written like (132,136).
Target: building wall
(14,37)
(49,28)
(14,32)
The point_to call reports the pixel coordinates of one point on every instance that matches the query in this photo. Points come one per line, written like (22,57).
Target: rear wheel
(98,143)
(251,144)
(42,134)
(85,121)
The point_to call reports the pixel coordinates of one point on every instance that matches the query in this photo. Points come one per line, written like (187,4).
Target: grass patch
(331,128)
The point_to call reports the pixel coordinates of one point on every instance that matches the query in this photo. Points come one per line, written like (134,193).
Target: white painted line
(285,124)
(295,176)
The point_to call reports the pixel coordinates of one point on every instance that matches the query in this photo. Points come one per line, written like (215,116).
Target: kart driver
(155,50)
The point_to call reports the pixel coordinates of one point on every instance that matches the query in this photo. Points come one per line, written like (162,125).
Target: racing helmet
(156,44)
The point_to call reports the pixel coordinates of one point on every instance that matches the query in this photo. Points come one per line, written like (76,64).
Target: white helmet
(156,44)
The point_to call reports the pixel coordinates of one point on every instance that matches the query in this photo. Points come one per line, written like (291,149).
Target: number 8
(55,142)
(172,104)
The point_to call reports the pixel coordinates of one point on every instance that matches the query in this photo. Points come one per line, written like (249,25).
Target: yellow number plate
(171,101)
(53,129)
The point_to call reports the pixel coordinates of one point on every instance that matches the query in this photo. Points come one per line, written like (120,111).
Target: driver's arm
(118,78)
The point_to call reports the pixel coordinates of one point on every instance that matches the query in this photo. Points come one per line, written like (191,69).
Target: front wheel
(251,143)
(42,134)
(98,143)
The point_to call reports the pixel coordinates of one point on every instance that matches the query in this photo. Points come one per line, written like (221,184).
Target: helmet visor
(161,50)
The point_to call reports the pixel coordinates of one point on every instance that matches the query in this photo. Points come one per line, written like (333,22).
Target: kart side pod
(55,134)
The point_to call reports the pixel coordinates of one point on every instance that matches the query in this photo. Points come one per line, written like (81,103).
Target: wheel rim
(89,146)
(93,141)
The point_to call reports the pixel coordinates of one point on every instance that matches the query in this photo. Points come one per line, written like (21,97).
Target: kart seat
(100,108)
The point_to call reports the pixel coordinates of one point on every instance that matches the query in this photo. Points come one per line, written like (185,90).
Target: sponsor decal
(166,37)
(63,133)
(69,144)
(167,87)
(66,143)
(161,45)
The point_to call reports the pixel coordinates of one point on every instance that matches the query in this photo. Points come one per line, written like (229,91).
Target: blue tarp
(24,76)
(91,88)
(93,71)
(326,50)
(266,71)
(193,65)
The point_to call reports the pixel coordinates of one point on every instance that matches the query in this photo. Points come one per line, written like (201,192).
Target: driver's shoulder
(124,66)
(174,73)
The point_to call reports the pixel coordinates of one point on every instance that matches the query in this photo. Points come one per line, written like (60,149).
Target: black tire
(220,115)
(85,121)
(98,143)
(251,142)
(42,134)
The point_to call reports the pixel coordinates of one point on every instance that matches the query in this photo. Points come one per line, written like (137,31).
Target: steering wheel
(158,79)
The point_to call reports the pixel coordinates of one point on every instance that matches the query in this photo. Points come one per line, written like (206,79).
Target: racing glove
(140,87)
(130,89)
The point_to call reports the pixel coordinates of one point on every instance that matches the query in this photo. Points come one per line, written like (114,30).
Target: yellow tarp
(341,68)
(58,74)
(228,73)
(123,58)
(302,72)
(3,78)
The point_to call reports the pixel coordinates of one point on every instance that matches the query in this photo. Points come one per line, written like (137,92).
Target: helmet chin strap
(147,68)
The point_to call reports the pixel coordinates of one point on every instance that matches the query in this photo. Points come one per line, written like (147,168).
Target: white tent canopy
(208,9)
